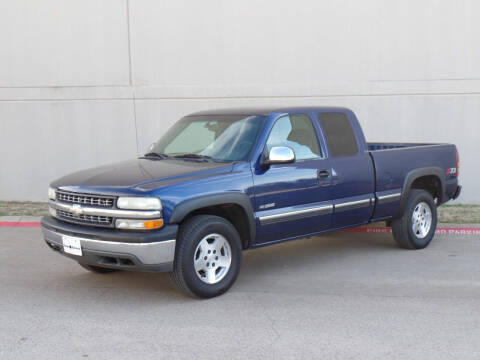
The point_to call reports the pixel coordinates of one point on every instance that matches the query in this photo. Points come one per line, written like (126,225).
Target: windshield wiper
(194,156)
(156,155)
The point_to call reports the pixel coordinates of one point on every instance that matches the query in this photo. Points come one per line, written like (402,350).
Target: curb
(441,230)
(19,224)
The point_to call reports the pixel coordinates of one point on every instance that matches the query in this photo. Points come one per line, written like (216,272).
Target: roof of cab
(265,110)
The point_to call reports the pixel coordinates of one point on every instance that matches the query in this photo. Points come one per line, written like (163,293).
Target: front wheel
(207,256)
(416,227)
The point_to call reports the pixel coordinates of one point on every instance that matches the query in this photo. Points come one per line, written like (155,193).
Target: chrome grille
(85,219)
(84,199)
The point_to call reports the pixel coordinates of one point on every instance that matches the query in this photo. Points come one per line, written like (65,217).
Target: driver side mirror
(279,155)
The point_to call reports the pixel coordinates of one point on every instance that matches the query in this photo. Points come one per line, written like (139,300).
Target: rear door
(351,170)
(293,199)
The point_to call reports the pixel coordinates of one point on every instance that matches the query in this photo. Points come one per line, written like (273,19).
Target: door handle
(323,174)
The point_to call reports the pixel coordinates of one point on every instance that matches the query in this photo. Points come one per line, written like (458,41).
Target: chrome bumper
(155,256)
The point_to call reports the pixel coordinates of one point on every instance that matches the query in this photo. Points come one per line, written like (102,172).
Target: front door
(293,199)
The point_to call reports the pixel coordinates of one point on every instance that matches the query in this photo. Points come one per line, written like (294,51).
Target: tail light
(458,164)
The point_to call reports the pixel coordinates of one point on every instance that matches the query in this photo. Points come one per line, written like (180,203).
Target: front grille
(85,219)
(84,199)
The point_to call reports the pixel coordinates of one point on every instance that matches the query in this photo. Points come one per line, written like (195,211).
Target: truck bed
(394,162)
(374,146)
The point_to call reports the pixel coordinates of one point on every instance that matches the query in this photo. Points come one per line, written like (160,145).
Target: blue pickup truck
(222,181)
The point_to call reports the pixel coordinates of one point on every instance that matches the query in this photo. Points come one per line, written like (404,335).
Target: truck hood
(144,174)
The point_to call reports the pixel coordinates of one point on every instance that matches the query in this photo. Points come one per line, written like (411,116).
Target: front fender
(181,210)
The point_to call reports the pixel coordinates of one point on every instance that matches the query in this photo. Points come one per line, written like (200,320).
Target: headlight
(139,203)
(133,224)
(51,193)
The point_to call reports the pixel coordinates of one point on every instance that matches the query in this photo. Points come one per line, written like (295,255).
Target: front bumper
(126,250)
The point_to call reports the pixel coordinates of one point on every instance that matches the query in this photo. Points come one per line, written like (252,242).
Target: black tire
(402,227)
(97,269)
(191,232)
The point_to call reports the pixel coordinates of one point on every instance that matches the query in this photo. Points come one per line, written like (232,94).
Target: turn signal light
(458,164)
(134,224)
(153,224)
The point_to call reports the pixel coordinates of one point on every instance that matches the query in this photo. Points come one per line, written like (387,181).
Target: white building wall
(87,82)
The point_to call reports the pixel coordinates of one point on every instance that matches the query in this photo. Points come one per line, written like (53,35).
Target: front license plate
(72,245)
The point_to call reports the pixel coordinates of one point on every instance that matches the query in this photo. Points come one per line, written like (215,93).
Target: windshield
(219,137)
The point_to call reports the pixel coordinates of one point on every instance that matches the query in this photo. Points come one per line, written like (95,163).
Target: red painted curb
(442,230)
(362,229)
(19,224)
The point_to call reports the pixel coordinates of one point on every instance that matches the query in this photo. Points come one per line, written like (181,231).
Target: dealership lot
(344,295)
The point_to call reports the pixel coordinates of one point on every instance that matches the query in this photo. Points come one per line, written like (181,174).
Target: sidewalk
(18,211)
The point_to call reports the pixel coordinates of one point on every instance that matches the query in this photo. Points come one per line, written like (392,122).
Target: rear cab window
(339,134)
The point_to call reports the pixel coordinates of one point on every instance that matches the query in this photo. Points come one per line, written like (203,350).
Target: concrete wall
(86,82)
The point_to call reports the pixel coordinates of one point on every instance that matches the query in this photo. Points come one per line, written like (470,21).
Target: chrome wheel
(212,258)
(421,220)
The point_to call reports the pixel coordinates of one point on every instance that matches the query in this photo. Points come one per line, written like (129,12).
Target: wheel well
(233,213)
(430,183)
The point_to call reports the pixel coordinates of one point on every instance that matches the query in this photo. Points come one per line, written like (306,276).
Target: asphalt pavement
(341,296)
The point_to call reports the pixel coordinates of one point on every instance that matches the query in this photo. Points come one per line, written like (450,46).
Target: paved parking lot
(340,296)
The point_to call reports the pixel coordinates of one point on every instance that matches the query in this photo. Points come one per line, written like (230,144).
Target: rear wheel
(416,227)
(98,269)
(207,256)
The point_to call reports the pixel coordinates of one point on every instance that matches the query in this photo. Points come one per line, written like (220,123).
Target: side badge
(266,206)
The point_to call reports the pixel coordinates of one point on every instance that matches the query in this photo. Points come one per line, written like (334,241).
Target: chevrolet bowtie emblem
(77,210)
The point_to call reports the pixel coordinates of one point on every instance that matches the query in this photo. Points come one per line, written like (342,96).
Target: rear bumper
(457,192)
(144,251)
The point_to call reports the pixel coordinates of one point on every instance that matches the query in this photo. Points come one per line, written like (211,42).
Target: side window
(339,133)
(295,131)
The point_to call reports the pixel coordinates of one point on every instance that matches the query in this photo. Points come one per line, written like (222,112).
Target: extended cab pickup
(222,181)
